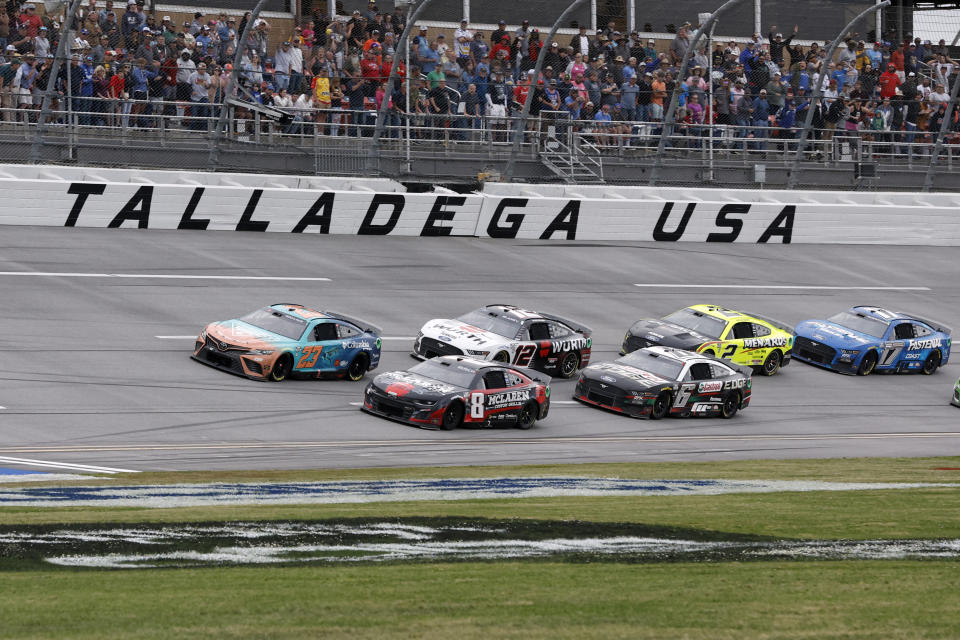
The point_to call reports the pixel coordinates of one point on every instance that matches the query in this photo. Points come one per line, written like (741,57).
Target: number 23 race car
(281,340)
(656,382)
(451,391)
(506,333)
(753,341)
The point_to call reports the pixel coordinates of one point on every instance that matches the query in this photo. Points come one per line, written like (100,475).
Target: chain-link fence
(592,118)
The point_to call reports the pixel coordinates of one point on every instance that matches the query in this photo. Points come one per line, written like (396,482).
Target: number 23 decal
(309,357)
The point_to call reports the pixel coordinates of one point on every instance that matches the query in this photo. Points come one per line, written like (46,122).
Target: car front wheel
(282,368)
(660,406)
(868,364)
(452,417)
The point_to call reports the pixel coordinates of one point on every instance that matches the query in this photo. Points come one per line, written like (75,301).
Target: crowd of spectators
(127,67)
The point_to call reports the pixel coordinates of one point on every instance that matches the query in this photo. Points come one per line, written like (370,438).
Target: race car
(505,333)
(655,382)
(282,340)
(955,401)
(863,339)
(745,339)
(450,391)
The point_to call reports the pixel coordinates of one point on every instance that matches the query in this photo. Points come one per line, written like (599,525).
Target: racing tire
(731,404)
(661,406)
(528,415)
(868,364)
(358,367)
(281,370)
(931,364)
(452,417)
(569,364)
(502,356)
(772,364)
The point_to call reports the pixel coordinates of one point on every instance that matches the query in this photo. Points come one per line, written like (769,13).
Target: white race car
(506,333)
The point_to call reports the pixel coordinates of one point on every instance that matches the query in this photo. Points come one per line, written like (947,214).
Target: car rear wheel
(358,367)
(660,406)
(502,356)
(772,364)
(282,368)
(868,364)
(731,403)
(932,363)
(711,353)
(528,415)
(569,364)
(452,417)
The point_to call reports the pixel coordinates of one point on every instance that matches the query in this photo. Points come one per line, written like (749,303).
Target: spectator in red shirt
(888,82)
(369,68)
(29,21)
(896,58)
(503,45)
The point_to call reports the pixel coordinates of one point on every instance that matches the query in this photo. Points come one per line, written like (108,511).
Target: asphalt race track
(84,379)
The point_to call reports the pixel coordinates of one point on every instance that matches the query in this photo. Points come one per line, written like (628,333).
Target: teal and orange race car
(283,340)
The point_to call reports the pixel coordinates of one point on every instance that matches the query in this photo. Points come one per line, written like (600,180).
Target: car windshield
(664,367)
(481,319)
(863,324)
(699,322)
(276,322)
(454,374)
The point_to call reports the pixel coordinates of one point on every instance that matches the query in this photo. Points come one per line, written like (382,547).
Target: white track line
(64,465)
(160,276)
(775,286)
(192,337)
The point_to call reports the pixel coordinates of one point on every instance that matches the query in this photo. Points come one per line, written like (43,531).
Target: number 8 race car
(749,340)
(505,333)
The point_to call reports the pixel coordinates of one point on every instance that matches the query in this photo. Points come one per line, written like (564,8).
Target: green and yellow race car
(955,400)
(745,339)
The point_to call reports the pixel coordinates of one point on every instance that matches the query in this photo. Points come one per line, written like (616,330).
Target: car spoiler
(579,328)
(363,324)
(937,326)
(530,373)
(747,371)
(783,326)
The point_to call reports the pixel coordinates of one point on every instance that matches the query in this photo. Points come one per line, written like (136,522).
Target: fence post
(669,116)
(391,81)
(37,145)
(944,126)
(214,159)
(793,173)
(521,125)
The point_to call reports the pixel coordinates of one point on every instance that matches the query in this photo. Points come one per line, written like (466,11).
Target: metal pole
(214,159)
(593,16)
(466,10)
(382,112)
(332,10)
(900,21)
(879,26)
(521,125)
(631,15)
(937,148)
(757,28)
(668,117)
(406,80)
(710,97)
(52,82)
(794,172)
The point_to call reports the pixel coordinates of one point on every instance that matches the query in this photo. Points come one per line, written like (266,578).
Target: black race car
(506,333)
(659,381)
(451,391)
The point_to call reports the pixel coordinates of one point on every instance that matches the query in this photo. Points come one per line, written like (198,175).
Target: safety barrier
(90,198)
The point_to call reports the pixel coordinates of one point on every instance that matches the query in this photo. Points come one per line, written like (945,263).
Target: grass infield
(553,598)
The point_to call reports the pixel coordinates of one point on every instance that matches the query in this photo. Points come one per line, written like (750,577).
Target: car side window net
(742,330)
(904,331)
(326,331)
(700,371)
(494,380)
(539,331)
(346,331)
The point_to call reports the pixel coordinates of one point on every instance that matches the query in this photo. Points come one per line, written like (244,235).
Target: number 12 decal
(524,355)
(476,405)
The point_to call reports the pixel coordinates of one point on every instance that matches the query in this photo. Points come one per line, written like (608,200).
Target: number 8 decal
(476,405)
(524,355)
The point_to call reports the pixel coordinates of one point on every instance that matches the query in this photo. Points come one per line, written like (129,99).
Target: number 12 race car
(453,390)
(753,341)
(863,339)
(506,333)
(284,339)
(656,382)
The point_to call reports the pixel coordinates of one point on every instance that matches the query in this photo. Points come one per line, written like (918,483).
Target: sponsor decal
(561,346)
(929,343)
(711,387)
(418,382)
(357,344)
(736,384)
(445,338)
(760,343)
(912,356)
(637,375)
(608,379)
(704,407)
(399,389)
(506,398)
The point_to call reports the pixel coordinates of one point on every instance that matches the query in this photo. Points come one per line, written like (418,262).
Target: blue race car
(864,339)
(276,342)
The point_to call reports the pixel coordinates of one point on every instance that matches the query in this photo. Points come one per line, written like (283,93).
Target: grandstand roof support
(521,124)
(818,92)
(669,117)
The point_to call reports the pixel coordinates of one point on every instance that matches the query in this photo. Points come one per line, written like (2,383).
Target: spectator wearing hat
(200,84)
(581,42)
(552,57)
(462,41)
(889,81)
(23,84)
(41,44)
(8,97)
(428,58)
(777,43)
(29,22)
(498,34)
(281,61)
(130,23)
(776,93)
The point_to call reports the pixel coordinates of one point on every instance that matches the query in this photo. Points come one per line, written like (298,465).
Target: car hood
(834,335)
(404,385)
(668,334)
(624,376)
(239,333)
(463,335)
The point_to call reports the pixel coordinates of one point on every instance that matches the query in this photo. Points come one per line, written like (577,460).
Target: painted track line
(156,276)
(193,337)
(446,442)
(775,286)
(64,465)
